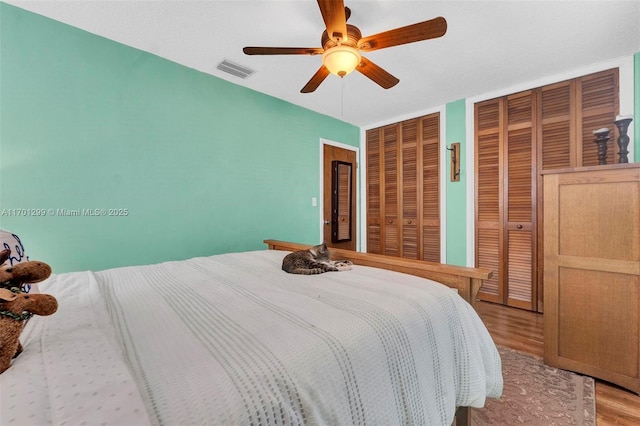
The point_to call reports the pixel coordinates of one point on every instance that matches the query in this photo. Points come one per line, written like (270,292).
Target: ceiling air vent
(235,69)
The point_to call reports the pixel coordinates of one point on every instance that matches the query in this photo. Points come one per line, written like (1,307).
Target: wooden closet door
(517,137)
(488,164)
(557,126)
(519,194)
(420,188)
(410,182)
(505,198)
(390,234)
(597,101)
(429,163)
(556,132)
(374,196)
(568,113)
(403,189)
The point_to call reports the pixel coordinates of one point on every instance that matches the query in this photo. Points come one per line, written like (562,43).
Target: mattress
(232,339)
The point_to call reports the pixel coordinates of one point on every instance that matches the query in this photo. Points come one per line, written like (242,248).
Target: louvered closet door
(488,199)
(517,137)
(597,99)
(420,184)
(410,190)
(403,189)
(556,126)
(390,234)
(505,194)
(374,218)
(556,131)
(430,165)
(519,201)
(568,113)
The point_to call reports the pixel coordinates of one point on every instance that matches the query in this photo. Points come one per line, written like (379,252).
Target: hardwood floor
(523,330)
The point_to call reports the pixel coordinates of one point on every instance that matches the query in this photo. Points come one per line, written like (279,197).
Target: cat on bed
(314,260)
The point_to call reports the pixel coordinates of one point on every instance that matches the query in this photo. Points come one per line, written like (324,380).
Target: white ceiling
(489,45)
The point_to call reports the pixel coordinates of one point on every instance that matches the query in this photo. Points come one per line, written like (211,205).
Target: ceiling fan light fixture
(341,60)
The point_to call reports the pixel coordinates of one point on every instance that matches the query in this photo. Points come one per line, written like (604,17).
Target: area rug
(536,394)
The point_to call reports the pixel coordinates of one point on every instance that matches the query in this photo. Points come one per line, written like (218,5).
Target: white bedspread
(232,339)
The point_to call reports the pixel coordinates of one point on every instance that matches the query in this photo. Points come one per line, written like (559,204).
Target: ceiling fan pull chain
(342,98)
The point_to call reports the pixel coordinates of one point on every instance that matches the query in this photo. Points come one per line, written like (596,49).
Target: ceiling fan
(342,44)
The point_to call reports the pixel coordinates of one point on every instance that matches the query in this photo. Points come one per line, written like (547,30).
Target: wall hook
(455,161)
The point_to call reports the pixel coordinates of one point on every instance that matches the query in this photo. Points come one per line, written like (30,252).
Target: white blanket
(232,339)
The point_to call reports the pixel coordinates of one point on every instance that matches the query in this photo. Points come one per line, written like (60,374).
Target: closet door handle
(519,226)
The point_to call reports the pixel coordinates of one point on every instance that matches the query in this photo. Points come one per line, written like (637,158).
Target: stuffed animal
(16,305)
(17,276)
(15,308)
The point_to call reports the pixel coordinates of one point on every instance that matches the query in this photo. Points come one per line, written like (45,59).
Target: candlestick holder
(602,137)
(622,123)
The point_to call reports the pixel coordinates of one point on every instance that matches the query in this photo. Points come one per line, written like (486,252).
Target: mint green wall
(456,196)
(202,165)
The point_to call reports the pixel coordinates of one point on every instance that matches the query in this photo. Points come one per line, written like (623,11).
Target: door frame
(355,149)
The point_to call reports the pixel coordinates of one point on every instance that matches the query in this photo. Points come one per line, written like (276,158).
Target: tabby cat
(314,260)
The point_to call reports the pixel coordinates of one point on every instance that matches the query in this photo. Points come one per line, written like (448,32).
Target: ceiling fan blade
(335,19)
(377,74)
(251,50)
(426,30)
(315,81)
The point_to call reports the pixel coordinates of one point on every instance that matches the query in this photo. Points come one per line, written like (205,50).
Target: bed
(232,339)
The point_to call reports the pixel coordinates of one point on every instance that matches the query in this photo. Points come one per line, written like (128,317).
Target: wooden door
(597,103)
(519,201)
(339,197)
(410,188)
(429,188)
(403,189)
(505,194)
(517,137)
(489,187)
(384,171)
(419,188)
(375,181)
(568,113)
(390,165)
(557,129)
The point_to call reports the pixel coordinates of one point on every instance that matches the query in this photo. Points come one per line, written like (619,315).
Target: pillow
(9,240)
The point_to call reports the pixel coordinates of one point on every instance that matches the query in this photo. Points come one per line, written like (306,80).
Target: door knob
(326,222)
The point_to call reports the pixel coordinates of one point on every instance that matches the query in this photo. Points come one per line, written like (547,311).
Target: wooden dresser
(592,272)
